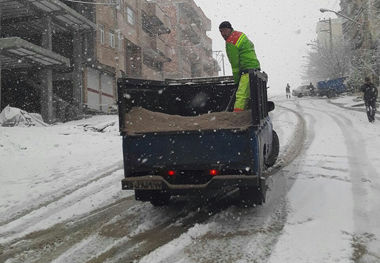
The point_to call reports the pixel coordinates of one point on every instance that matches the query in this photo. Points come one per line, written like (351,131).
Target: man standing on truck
(370,97)
(241,54)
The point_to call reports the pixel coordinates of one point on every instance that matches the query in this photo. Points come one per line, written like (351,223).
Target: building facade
(128,44)
(42,47)
(364,37)
(64,58)
(329,32)
(154,39)
(192,48)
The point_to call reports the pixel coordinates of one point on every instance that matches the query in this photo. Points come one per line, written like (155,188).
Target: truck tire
(251,196)
(160,199)
(156,198)
(271,160)
(331,94)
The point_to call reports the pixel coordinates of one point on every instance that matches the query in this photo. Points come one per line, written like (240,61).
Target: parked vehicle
(331,88)
(301,91)
(162,159)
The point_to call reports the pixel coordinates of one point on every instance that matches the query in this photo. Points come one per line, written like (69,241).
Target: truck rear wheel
(251,196)
(156,198)
(271,160)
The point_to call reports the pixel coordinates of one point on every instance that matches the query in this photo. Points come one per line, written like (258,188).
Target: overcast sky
(279,29)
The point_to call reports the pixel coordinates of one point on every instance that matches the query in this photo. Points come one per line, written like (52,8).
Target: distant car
(301,91)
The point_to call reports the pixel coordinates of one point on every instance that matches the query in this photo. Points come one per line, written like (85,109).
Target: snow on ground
(334,202)
(56,173)
(350,101)
(49,174)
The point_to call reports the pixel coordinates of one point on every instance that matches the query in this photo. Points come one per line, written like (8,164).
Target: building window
(120,40)
(130,16)
(101,29)
(112,39)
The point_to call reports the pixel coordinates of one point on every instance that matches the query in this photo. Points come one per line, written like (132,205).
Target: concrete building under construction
(41,56)
(60,58)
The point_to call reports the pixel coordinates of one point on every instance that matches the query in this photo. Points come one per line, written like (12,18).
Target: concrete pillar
(78,72)
(47,111)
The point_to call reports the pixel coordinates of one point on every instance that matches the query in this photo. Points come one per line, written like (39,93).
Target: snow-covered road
(61,199)
(334,213)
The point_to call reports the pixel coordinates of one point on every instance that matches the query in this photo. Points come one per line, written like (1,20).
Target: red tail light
(171,172)
(214,172)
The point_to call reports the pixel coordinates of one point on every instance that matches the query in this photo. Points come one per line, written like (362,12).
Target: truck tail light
(171,172)
(214,172)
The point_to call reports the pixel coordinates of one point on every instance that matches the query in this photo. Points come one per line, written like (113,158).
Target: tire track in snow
(107,171)
(352,109)
(51,214)
(264,237)
(45,245)
(109,223)
(136,247)
(361,171)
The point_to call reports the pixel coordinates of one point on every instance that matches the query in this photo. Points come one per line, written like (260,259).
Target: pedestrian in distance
(312,89)
(242,56)
(287,90)
(370,97)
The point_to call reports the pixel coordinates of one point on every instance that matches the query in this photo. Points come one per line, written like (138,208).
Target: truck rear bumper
(158,183)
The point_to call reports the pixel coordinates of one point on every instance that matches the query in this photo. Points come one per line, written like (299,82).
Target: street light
(323,10)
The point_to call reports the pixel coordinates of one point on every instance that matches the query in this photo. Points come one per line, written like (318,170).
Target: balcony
(155,48)
(29,12)
(154,19)
(194,14)
(18,53)
(191,32)
(209,64)
(162,48)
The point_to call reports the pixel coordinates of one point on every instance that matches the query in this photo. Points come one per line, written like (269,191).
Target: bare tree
(327,63)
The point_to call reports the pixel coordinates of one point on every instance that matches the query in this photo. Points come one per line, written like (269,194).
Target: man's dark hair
(367,79)
(225,24)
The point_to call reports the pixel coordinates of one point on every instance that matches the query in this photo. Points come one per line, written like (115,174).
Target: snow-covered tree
(327,63)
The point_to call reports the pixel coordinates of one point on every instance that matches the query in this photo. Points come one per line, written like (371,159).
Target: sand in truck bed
(139,120)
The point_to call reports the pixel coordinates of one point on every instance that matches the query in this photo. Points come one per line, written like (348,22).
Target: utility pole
(331,36)
(224,71)
(221,54)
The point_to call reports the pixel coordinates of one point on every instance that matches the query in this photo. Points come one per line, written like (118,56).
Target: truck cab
(180,137)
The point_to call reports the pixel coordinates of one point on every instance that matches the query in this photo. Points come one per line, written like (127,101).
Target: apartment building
(128,43)
(60,58)
(192,48)
(329,32)
(154,39)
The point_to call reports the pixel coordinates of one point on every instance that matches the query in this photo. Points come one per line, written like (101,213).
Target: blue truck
(160,163)
(331,88)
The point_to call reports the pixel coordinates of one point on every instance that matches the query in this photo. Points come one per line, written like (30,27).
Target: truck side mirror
(270,106)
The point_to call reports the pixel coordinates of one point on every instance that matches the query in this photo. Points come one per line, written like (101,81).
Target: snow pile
(49,174)
(11,117)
